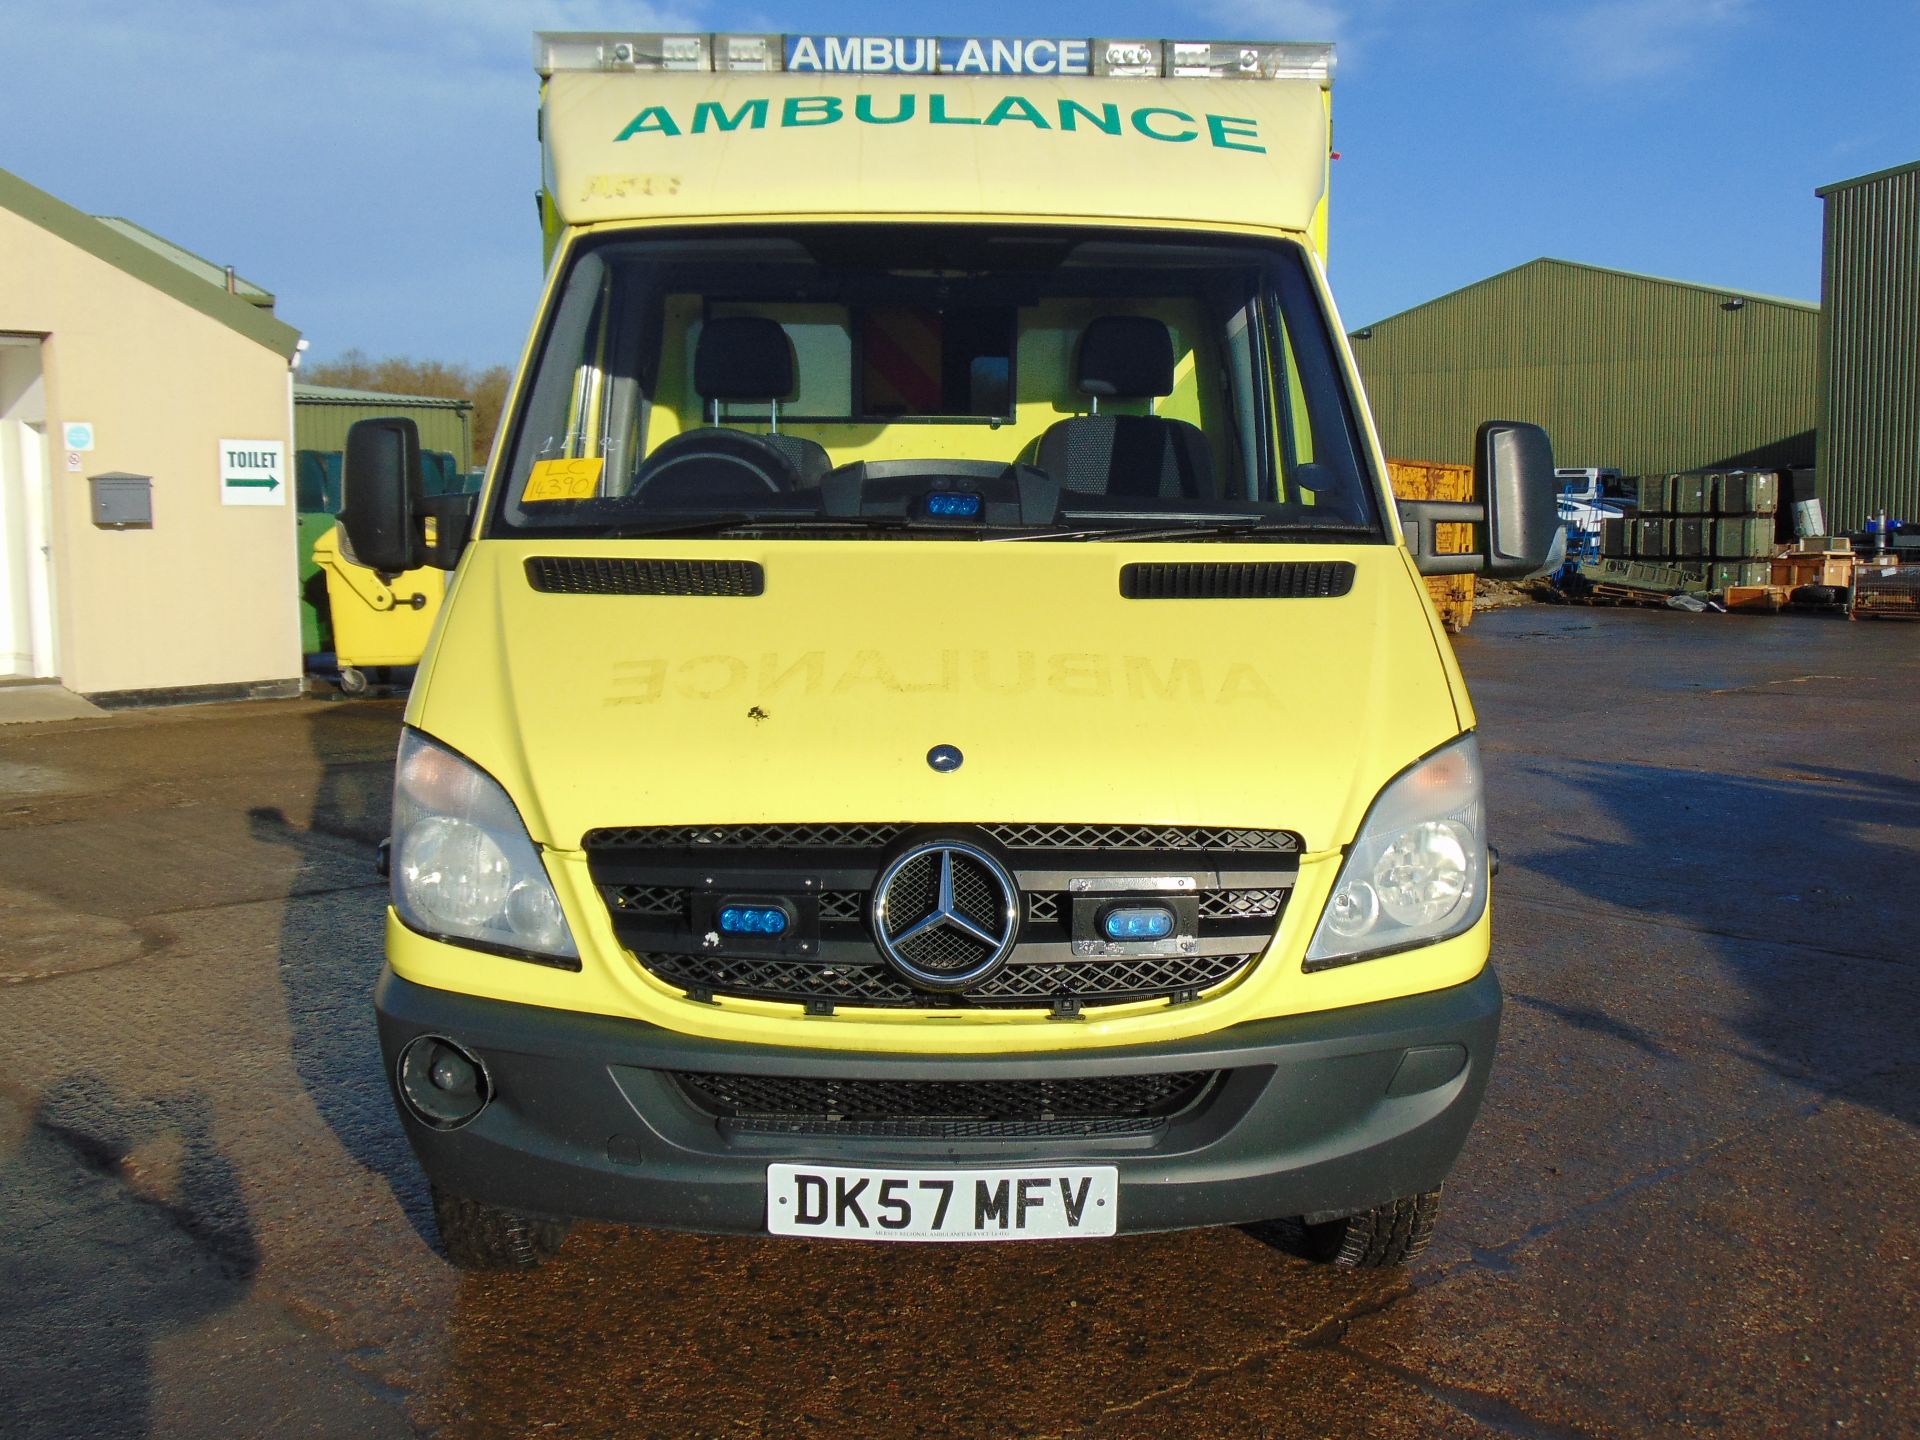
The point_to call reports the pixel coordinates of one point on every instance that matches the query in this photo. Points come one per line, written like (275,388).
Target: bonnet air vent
(1253,580)
(573,575)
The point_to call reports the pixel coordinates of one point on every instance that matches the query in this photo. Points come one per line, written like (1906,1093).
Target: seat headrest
(743,357)
(1129,356)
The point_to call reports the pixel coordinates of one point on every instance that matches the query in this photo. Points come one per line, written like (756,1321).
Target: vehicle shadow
(1801,886)
(332,945)
(124,1224)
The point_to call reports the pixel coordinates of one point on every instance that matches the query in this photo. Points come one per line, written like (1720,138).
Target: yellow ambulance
(937,732)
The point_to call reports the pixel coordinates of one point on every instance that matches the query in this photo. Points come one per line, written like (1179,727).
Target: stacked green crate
(1744,502)
(1659,546)
(1717,525)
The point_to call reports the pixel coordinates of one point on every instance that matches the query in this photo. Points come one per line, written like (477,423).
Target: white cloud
(1622,40)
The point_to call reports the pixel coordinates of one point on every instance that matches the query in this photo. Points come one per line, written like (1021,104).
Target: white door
(27,642)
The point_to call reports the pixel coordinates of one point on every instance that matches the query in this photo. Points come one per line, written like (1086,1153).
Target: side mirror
(381,476)
(1515,511)
(1513,475)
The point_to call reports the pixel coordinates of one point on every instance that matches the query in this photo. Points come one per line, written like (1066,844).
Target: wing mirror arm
(1418,519)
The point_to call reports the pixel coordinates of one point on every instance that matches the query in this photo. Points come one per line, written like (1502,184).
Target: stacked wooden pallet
(1421,480)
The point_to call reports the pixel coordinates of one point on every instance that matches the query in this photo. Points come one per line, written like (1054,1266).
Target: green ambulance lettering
(1143,117)
(937,114)
(1013,107)
(1228,130)
(752,113)
(863,111)
(1072,112)
(654,120)
(1155,122)
(818,110)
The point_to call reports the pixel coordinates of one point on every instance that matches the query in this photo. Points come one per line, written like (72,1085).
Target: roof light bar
(938,55)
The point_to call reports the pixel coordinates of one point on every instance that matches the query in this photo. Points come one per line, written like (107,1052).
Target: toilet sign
(253,472)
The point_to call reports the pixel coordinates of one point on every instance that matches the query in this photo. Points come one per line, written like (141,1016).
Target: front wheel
(484,1237)
(1385,1235)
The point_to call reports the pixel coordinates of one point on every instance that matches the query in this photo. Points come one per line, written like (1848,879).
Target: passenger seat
(747,360)
(1127,357)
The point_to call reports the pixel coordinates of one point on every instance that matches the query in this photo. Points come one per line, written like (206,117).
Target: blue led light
(753,920)
(953,504)
(1137,922)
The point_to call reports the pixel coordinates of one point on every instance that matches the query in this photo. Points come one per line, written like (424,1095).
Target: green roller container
(1747,538)
(316,621)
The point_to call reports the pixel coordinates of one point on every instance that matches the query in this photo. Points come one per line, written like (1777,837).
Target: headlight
(463,865)
(1417,872)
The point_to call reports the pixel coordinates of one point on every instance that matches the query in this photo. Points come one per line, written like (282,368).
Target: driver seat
(1127,357)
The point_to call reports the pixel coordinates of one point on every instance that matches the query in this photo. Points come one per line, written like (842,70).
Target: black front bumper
(1317,1115)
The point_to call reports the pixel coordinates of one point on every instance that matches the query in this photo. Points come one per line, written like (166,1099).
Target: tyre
(353,681)
(1386,1235)
(484,1237)
(1818,595)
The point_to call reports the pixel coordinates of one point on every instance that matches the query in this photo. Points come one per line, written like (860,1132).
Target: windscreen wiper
(1209,527)
(745,520)
(812,523)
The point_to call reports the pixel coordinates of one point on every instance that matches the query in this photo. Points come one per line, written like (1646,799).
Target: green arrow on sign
(267,484)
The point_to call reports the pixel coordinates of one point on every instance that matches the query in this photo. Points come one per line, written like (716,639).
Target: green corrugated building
(322,414)
(1629,372)
(1870,348)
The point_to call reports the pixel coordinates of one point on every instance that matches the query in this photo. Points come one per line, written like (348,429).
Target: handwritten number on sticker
(563,480)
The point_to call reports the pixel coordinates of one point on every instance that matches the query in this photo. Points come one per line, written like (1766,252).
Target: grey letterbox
(122,501)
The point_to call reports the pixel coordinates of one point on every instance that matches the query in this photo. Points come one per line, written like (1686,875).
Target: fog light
(442,1084)
(1137,922)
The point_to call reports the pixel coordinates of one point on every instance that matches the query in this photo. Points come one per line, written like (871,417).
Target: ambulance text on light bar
(936,55)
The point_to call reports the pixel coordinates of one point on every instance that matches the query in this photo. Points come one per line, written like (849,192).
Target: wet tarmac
(1689,1207)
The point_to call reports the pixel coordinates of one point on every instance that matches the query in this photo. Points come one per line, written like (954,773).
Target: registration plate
(867,1204)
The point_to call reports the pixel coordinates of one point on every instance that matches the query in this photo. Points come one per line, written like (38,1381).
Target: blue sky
(373,162)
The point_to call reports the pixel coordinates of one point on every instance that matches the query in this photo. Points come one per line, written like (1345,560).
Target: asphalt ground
(1690,1206)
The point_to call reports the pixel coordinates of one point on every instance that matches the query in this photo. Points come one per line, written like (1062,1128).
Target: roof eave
(129,256)
(1871,179)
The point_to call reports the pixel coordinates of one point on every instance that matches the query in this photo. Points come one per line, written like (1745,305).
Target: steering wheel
(713,465)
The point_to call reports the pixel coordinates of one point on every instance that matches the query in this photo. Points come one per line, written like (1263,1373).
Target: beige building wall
(209,595)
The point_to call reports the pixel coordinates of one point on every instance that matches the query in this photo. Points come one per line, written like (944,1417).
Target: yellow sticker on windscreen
(563,480)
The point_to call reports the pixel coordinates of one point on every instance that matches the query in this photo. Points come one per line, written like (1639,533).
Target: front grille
(1109,981)
(1086,1129)
(780,1098)
(662,885)
(1043,906)
(879,836)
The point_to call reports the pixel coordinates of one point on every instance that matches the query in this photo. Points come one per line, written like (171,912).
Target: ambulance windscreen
(838,380)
